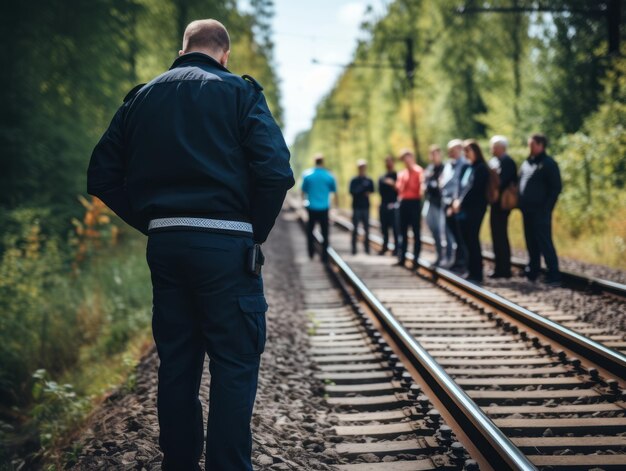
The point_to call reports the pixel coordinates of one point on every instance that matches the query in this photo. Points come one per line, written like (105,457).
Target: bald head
(209,37)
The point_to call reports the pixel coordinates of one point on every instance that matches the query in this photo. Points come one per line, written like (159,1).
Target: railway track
(383,421)
(571,279)
(519,391)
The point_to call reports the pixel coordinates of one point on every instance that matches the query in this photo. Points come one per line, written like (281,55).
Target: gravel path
(289,422)
(597,309)
(601,310)
(576,266)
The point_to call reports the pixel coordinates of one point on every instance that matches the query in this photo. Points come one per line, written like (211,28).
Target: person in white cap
(361,187)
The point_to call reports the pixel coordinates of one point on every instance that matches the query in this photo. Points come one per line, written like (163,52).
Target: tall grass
(74,312)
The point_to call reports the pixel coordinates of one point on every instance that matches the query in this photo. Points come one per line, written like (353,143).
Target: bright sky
(304,30)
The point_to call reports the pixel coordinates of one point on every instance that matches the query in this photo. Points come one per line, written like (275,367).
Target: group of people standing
(453,197)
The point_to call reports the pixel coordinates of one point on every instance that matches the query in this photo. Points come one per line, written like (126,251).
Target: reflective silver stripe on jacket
(204,223)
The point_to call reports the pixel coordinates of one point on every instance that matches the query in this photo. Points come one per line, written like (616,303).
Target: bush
(71,312)
(57,407)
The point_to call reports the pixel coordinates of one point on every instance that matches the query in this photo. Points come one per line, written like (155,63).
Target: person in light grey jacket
(456,254)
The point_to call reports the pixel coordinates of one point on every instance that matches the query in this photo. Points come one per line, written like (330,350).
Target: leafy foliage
(75,293)
(68,65)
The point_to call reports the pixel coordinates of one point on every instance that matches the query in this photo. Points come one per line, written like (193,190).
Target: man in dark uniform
(499,217)
(361,187)
(195,160)
(540,185)
(388,205)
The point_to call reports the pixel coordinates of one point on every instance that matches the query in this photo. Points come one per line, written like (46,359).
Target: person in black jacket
(196,160)
(502,163)
(361,187)
(471,207)
(540,186)
(388,211)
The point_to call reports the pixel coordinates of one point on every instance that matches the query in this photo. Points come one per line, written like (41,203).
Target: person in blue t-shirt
(317,185)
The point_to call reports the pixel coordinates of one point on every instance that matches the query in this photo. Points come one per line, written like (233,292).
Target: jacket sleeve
(268,158)
(554,185)
(474,193)
(106,175)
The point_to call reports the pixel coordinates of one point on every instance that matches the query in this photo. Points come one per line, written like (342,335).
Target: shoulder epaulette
(256,84)
(133,92)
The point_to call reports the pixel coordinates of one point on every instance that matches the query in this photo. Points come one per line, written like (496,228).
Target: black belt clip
(256,259)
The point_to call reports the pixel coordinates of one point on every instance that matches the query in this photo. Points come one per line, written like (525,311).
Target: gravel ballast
(290,418)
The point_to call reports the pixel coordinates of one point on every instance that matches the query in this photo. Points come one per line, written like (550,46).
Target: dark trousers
(361,216)
(204,302)
(388,220)
(499,221)
(469,225)
(321,218)
(410,215)
(538,234)
(460,251)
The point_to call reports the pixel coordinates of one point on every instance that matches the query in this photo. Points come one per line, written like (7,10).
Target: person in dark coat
(539,189)
(388,211)
(195,160)
(471,206)
(361,187)
(502,163)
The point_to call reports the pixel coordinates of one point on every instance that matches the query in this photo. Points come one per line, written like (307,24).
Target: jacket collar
(197,57)
(537,158)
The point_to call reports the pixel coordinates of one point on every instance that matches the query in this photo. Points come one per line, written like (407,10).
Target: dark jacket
(388,193)
(540,183)
(473,188)
(433,183)
(195,141)
(507,170)
(360,187)
(507,173)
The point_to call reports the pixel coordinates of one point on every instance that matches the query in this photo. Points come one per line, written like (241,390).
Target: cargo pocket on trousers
(254,308)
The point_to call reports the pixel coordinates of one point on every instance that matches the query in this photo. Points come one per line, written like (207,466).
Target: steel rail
(603,356)
(491,442)
(571,279)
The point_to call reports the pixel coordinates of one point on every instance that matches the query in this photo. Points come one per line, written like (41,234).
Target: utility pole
(409,69)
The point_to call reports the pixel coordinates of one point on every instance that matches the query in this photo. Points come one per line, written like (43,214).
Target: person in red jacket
(409,186)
